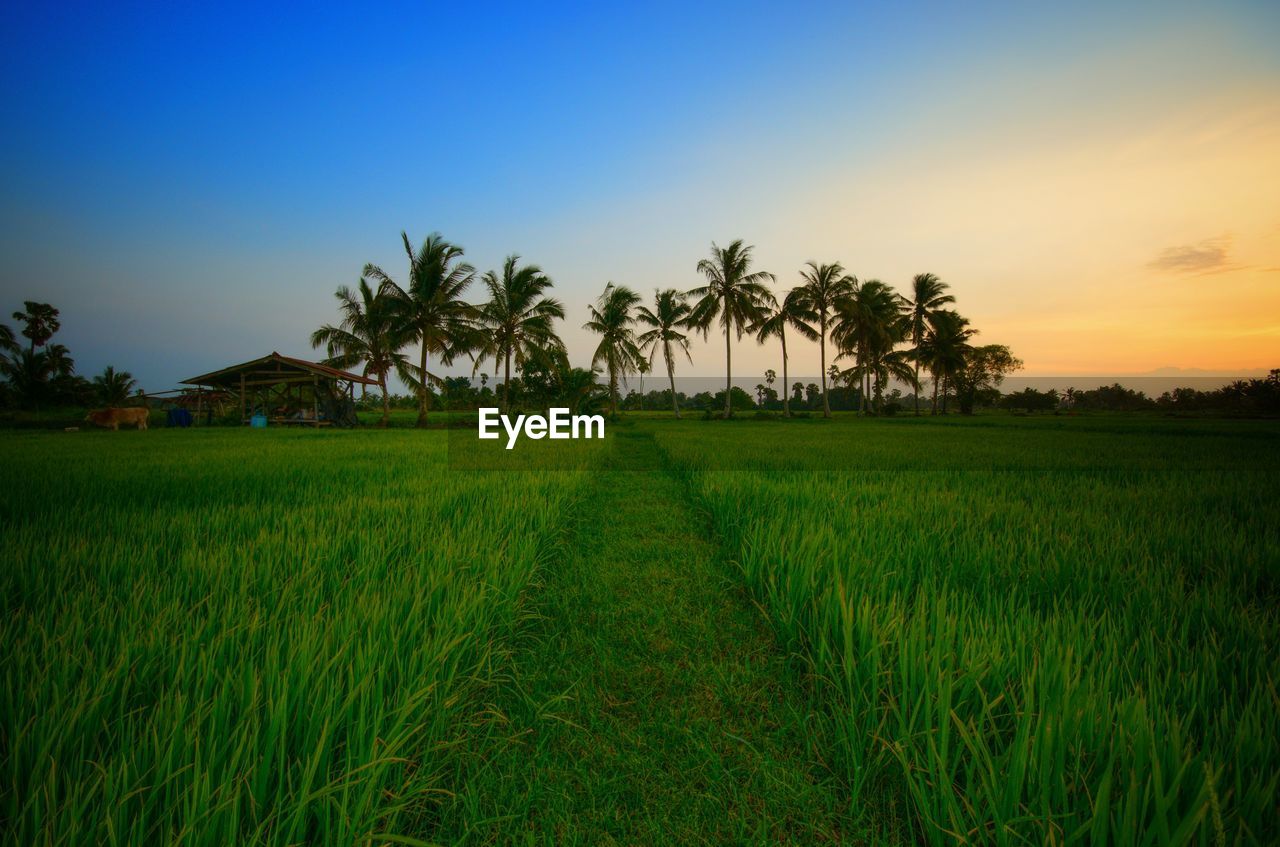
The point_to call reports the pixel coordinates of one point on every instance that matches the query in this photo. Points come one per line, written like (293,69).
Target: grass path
(648,704)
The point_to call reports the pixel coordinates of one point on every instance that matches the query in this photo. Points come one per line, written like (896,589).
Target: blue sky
(189,183)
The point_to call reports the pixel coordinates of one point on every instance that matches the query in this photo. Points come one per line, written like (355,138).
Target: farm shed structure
(288,391)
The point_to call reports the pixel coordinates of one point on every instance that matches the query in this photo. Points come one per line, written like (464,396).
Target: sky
(1098,183)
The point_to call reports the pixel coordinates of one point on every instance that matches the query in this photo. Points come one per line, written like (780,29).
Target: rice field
(216,639)
(1003,631)
(1038,632)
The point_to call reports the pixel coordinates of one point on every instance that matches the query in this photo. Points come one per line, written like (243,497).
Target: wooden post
(315,402)
(242,416)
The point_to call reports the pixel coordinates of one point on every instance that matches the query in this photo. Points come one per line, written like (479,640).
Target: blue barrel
(258,421)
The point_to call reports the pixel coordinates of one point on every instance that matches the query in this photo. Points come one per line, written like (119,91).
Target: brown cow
(114,417)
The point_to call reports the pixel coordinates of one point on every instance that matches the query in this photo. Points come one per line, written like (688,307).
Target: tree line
(878,334)
(41,372)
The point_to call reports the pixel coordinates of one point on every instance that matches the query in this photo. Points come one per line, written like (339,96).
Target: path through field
(655,708)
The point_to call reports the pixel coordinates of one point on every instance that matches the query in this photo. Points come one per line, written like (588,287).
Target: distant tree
(734,294)
(429,309)
(517,324)
(824,289)
(984,369)
(611,319)
(739,399)
(41,321)
(1113,398)
(458,393)
(928,295)
(1031,400)
(581,391)
(667,321)
(793,311)
(113,387)
(371,333)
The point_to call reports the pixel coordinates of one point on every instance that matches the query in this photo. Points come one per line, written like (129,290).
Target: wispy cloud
(1211,256)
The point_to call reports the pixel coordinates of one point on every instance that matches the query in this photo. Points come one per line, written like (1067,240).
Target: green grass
(997,630)
(647,703)
(1040,632)
(224,636)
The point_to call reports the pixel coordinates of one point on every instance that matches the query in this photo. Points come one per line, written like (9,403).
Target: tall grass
(1085,651)
(225,637)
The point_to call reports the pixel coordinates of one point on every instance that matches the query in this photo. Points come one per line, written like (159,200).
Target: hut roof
(273,367)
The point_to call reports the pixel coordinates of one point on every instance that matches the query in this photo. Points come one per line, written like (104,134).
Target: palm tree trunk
(671,375)
(613,390)
(786,398)
(386,401)
(934,409)
(866,394)
(506,383)
(728,363)
(822,346)
(917,389)
(422,387)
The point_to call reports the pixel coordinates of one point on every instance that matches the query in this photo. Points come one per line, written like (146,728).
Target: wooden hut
(288,391)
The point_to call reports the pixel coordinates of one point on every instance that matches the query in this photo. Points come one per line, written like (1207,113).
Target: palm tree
(41,320)
(669,315)
(611,319)
(579,389)
(825,286)
(61,365)
(8,342)
(792,312)
(733,293)
(373,332)
(869,323)
(28,375)
(430,310)
(113,386)
(927,296)
(944,348)
(516,323)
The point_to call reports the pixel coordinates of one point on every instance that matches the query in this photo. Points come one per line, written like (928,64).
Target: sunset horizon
(1097,187)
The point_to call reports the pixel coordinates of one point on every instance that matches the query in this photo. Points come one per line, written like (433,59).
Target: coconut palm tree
(868,323)
(793,311)
(611,319)
(669,315)
(8,341)
(944,348)
(927,296)
(28,375)
(372,332)
(430,309)
(579,389)
(516,325)
(733,293)
(113,386)
(41,321)
(825,287)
